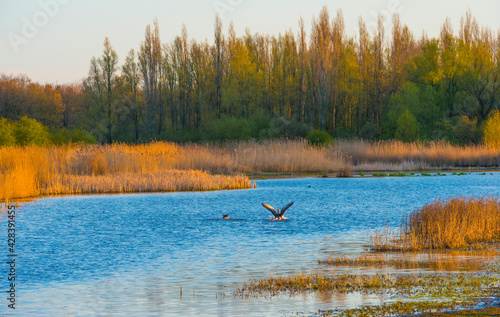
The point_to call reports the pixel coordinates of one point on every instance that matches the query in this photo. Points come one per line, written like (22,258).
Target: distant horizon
(32,32)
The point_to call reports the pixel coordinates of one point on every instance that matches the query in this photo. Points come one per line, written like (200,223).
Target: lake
(129,255)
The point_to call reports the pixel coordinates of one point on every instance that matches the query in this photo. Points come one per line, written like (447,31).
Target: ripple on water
(129,254)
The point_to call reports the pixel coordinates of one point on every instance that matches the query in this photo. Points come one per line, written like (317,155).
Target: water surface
(129,255)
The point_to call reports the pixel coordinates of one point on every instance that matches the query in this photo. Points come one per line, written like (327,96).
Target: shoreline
(270,176)
(31,199)
(369,173)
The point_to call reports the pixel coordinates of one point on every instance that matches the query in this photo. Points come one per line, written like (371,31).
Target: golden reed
(456,223)
(397,155)
(27,172)
(33,171)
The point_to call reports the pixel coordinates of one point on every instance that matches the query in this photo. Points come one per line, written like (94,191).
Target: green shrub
(230,129)
(407,127)
(369,131)
(288,128)
(31,132)
(7,137)
(491,130)
(319,138)
(65,136)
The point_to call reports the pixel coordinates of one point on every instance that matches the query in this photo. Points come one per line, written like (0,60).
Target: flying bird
(278,215)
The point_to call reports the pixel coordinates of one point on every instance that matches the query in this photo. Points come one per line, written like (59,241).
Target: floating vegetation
(403,293)
(401,308)
(398,175)
(489,311)
(452,286)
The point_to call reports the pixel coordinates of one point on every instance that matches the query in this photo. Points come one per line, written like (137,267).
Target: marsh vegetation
(165,166)
(451,273)
(451,224)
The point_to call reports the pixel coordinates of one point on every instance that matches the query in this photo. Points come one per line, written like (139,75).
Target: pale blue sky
(65,40)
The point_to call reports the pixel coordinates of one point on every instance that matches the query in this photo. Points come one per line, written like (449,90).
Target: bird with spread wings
(278,215)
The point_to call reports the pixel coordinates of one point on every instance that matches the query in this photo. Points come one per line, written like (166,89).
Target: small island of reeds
(443,258)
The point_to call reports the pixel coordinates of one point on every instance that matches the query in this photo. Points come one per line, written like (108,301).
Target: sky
(53,41)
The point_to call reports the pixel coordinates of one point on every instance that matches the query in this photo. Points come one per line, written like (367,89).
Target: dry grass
(161,166)
(288,156)
(33,171)
(451,224)
(397,155)
(296,156)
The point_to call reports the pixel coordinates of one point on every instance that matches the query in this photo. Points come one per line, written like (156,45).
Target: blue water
(129,255)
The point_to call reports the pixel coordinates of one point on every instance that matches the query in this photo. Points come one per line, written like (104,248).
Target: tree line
(381,85)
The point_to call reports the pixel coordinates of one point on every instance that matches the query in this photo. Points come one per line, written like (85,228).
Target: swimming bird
(278,215)
(225,217)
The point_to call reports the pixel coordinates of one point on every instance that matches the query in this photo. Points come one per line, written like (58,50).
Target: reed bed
(286,156)
(32,171)
(450,224)
(160,166)
(168,181)
(27,172)
(394,155)
(276,156)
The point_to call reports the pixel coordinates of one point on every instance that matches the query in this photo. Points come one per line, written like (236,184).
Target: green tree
(30,132)
(108,63)
(319,138)
(407,128)
(100,91)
